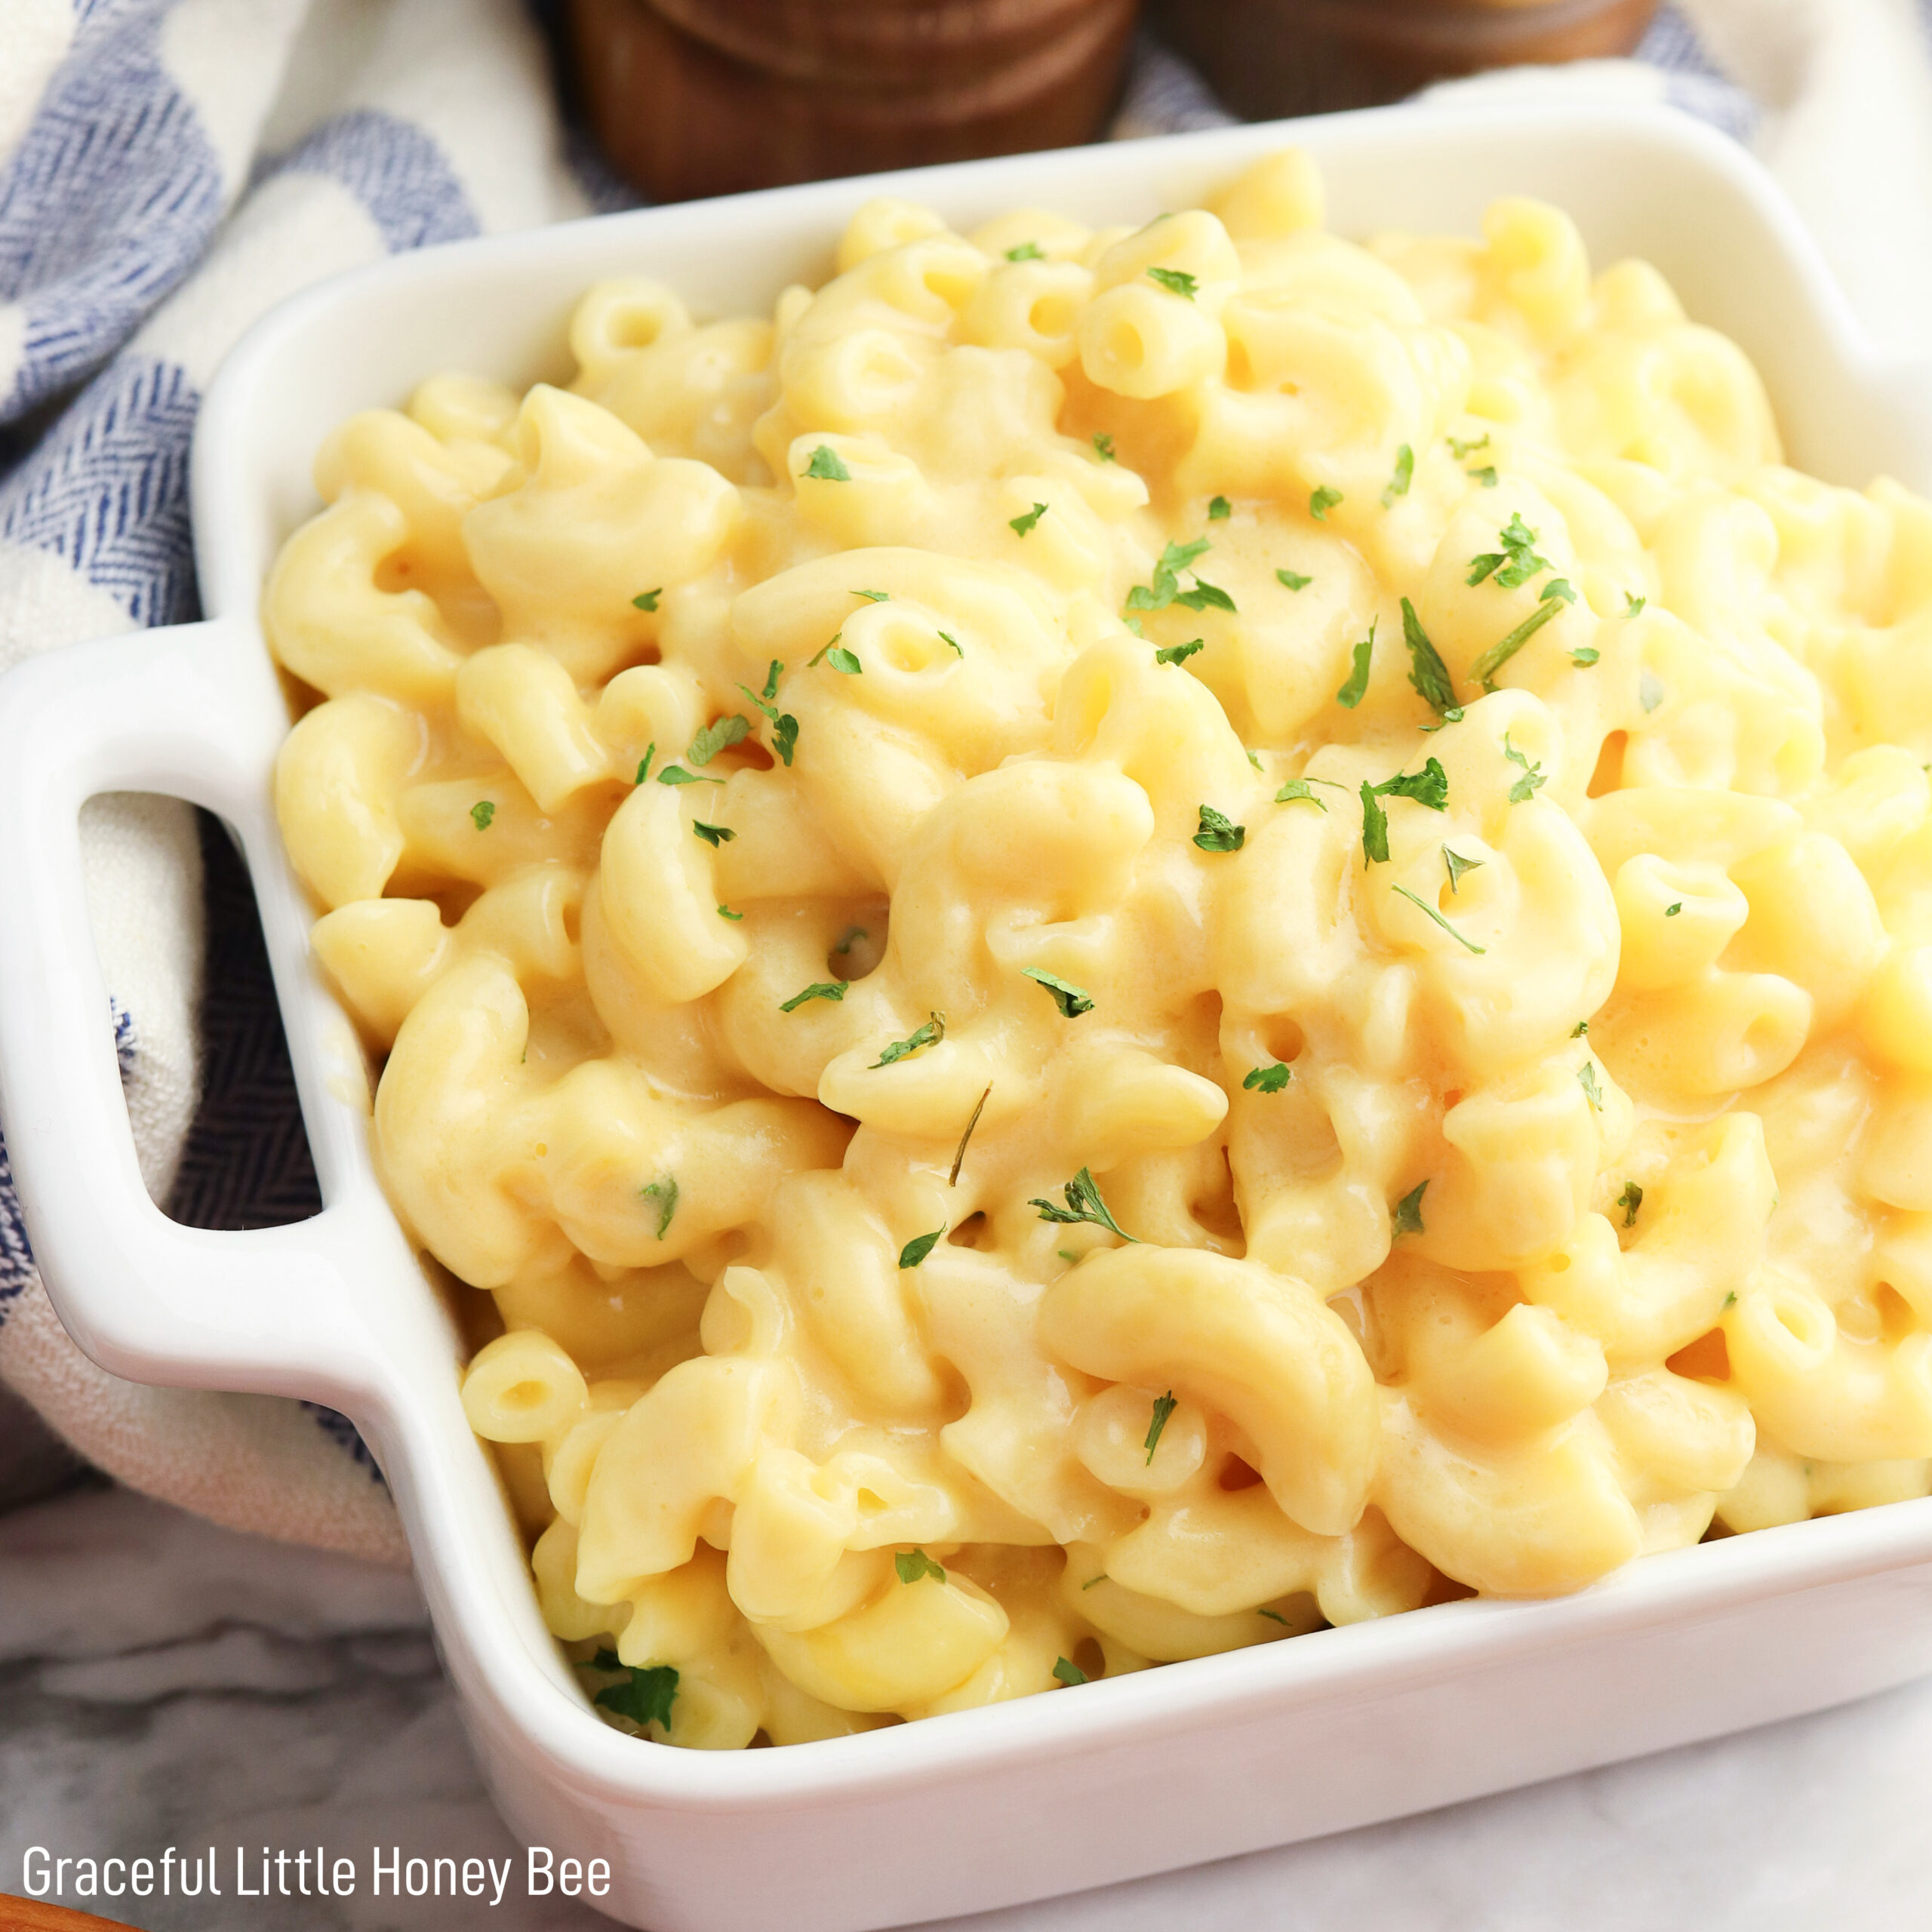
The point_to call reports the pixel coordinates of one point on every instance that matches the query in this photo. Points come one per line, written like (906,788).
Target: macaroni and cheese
(1112,943)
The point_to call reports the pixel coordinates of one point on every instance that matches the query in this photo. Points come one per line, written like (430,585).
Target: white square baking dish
(1193,1761)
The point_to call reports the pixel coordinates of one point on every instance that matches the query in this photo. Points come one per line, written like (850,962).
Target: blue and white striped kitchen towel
(170,168)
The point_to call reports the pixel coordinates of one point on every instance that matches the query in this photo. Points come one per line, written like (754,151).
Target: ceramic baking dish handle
(193,713)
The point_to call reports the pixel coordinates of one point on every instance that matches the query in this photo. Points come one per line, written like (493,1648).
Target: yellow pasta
(1114,943)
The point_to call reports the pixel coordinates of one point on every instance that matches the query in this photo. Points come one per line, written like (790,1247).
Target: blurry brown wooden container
(694,97)
(1271,57)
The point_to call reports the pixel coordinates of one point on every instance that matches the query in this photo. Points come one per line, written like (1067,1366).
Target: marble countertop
(165,1682)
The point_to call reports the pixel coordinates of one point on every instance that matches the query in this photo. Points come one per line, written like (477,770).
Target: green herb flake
(1163,1406)
(831,989)
(1586,1078)
(1323,500)
(1633,604)
(1533,778)
(784,726)
(481,813)
(1083,1204)
(1398,484)
(1218,832)
(1176,281)
(1486,476)
(665,1193)
(645,1697)
(1268,1079)
(1104,447)
(646,600)
(713,836)
(959,1152)
(1730,1299)
(1484,668)
(1559,586)
(1026,251)
(1430,786)
(772,676)
(1671,912)
(1275,1616)
(1515,563)
(1458,865)
(1067,1673)
(1406,1219)
(1293,579)
(827,466)
(1374,827)
(1586,657)
(1253,757)
(1630,1200)
(916,1249)
(1426,907)
(1100,1577)
(930,1034)
(1460,450)
(1019,525)
(676,774)
(1428,675)
(1300,791)
(717,736)
(644,763)
(1073,1001)
(725,912)
(1650,691)
(852,935)
(912,1564)
(1350,695)
(947,637)
(1205,595)
(1219,509)
(1577,1032)
(1179,653)
(875,596)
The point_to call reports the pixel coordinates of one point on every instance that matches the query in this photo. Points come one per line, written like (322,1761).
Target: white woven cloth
(170,168)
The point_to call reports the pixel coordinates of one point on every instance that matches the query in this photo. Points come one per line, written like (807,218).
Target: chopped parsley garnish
(1633,604)
(827,466)
(712,834)
(1650,691)
(644,763)
(665,1193)
(1163,1406)
(1398,484)
(1586,657)
(930,1034)
(831,989)
(1019,525)
(645,1697)
(784,726)
(1067,1673)
(725,912)
(1350,695)
(1297,790)
(1179,653)
(1268,1079)
(1176,281)
(912,1564)
(959,1152)
(1027,251)
(1323,500)
(1275,1616)
(1458,865)
(1731,1301)
(875,596)
(1253,757)
(1428,675)
(1515,563)
(916,1249)
(853,934)
(1586,1078)
(1486,476)
(481,813)
(1165,588)
(1073,1001)
(946,637)
(1498,654)
(1100,1576)
(1219,833)
(717,735)
(1460,450)
(1104,447)
(1533,779)
(676,774)
(1083,1204)
(1407,1217)
(1577,1032)
(1219,509)
(1374,827)
(646,600)
(1426,907)
(1671,912)
(1293,579)
(1630,1200)
(1430,786)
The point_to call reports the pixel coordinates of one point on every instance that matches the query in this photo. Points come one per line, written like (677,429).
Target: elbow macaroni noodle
(1113,944)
